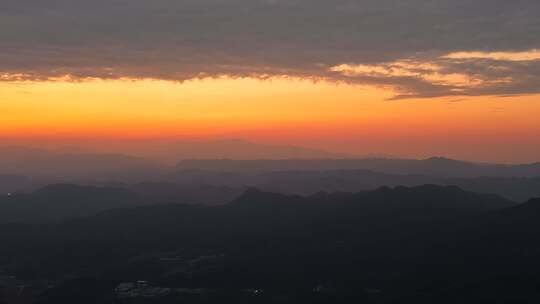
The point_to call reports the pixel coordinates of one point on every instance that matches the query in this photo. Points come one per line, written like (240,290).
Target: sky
(413,78)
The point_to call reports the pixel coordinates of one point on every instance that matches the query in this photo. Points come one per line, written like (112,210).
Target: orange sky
(335,117)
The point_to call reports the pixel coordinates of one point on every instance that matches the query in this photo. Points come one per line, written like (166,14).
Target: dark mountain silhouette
(258,216)
(215,188)
(311,181)
(527,208)
(415,201)
(515,188)
(425,244)
(437,166)
(307,182)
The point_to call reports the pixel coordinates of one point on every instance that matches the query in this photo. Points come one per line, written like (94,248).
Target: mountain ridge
(442,167)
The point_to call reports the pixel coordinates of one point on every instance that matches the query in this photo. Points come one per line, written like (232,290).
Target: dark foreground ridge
(422,244)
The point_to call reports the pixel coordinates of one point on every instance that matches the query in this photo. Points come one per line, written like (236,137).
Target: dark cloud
(185,39)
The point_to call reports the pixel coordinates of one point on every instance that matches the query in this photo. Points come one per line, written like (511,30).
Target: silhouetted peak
(436,198)
(426,197)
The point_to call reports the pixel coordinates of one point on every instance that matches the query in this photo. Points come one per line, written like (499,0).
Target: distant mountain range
(171,152)
(229,156)
(64,201)
(58,165)
(436,166)
(25,170)
(151,159)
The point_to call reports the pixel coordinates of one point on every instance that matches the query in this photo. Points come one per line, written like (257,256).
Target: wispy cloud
(421,48)
(531,55)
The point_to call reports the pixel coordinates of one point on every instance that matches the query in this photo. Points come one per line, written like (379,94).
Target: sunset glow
(349,118)
(356,77)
